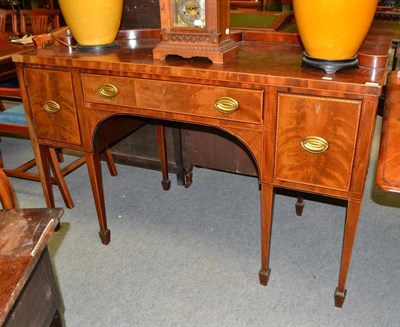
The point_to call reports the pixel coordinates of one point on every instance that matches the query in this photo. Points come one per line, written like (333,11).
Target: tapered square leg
(264,277)
(96,182)
(267,203)
(350,230)
(339,297)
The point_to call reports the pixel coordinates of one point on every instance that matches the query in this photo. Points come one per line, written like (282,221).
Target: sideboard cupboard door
(316,140)
(52,103)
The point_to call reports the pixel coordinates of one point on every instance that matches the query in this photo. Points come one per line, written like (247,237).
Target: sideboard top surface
(258,64)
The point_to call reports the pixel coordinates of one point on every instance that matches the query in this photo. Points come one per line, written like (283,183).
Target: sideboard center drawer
(193,99)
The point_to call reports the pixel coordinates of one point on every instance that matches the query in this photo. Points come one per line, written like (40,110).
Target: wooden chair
(13,124)
(8,18)
(39,21)
(8,198)
(9,89)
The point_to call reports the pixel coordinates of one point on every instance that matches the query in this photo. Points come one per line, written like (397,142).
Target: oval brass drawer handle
(315,144)
(226,105)
(108,91)
(51,107)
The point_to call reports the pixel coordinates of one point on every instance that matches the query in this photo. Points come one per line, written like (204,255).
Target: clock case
(213,41)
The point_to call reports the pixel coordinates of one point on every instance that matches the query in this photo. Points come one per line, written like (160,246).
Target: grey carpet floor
(190,257)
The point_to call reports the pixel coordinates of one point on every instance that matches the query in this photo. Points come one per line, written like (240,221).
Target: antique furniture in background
(29,295)
(388,171)
(28,4)
(49,4)
(7,68)
(252,4)
(39,21)
(8,199)
(28,291)
(140,14)
(285,111)
(8,21)
(389,28)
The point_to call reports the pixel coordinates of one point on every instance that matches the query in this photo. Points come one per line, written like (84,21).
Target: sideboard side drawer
(53,107)
(192,99)
(316,140)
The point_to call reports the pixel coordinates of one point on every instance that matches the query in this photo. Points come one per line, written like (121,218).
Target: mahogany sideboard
(306,130)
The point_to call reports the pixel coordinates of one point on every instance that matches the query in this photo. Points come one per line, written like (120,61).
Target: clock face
(190,13)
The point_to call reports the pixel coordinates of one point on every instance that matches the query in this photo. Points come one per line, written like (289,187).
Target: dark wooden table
(391,28)
(388,171)
(387,12)
(7,49)
(28,291)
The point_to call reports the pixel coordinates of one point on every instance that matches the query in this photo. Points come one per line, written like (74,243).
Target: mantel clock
(196,28)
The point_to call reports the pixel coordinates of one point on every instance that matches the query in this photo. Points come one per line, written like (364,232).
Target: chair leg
(42,158)
(58,176)
(162,148)
(1,158)
(60,155)
(300,204)
(55,157)
(8,198)
(110,162)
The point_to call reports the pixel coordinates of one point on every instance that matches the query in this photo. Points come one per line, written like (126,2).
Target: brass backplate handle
(226,105)
(315,144)
(51,107)
(108,91)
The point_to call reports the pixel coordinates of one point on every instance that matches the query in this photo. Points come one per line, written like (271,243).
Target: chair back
(9,89)
(39,21)
(8,198)
(8,21)
(13,120)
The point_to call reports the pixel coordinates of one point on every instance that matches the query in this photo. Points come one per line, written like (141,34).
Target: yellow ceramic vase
(92,22)
(333,29)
